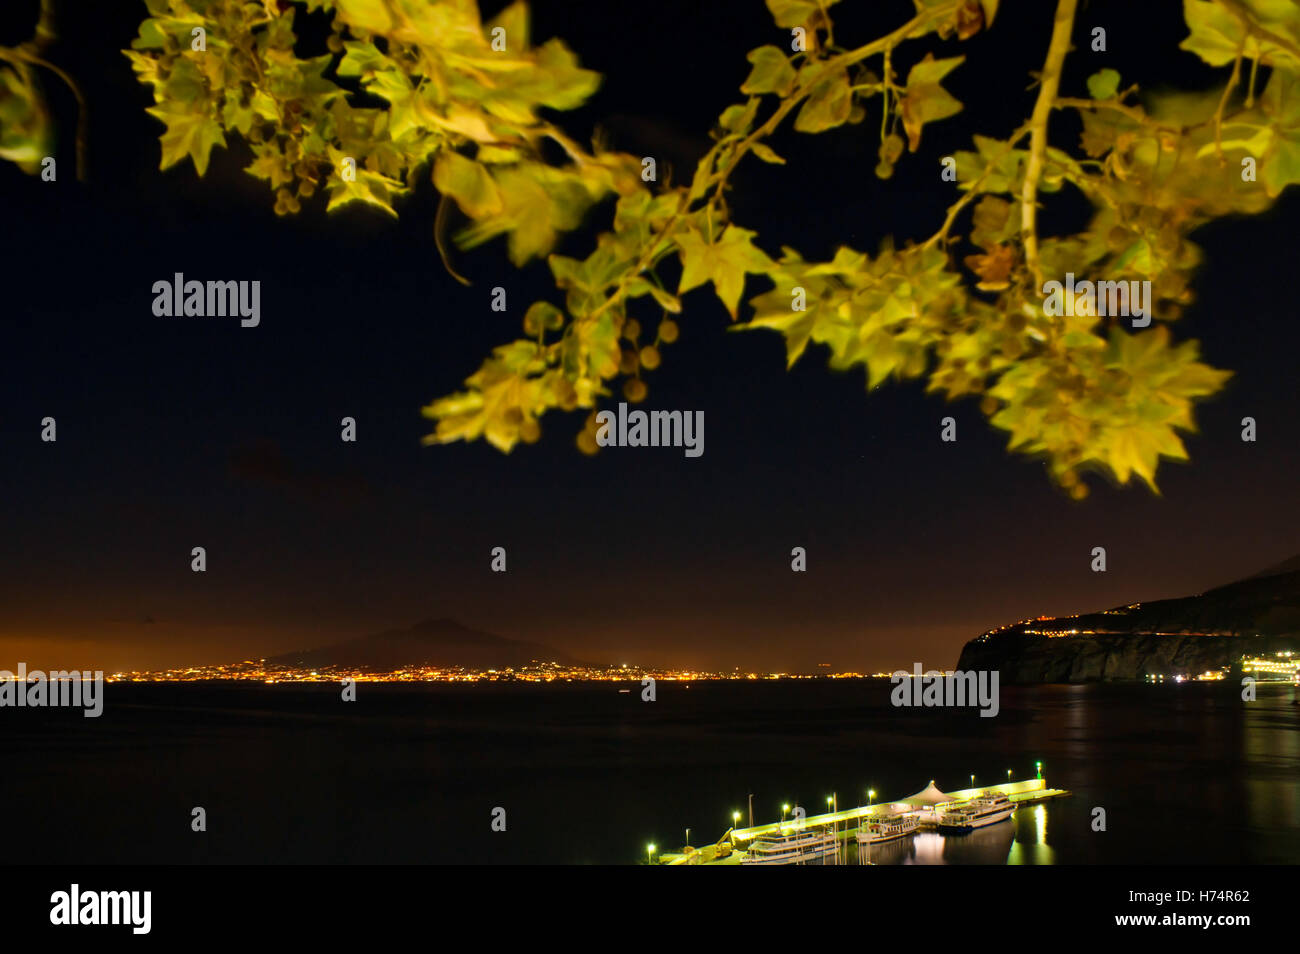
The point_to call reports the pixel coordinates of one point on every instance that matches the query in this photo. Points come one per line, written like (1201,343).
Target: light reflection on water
(1188,775)
(984,846)
(1021,840)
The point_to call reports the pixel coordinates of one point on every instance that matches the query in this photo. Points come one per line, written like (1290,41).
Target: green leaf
(558,81)
(828,105)
(797,326)
(270,165)
(514,20)
(772,72)
(793,13)
(151,36)
(724,263)
(1282,166)
(369,15)
(468,183)
(190,134)
(372,188)
(926,101)
(1217,33)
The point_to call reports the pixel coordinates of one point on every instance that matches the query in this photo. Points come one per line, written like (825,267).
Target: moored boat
(879,828)
(988,808)
(791,847)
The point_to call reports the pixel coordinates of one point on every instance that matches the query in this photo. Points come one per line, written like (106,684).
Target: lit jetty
(930,806)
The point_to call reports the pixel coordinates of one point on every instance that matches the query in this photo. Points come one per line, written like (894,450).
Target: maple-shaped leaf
(190,133)
(362,185)
(270,164)
(773,310)
(1137,449)
(723,262)
(927,101)
(537,203)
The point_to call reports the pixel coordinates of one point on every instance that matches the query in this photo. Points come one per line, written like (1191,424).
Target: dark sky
(176,433)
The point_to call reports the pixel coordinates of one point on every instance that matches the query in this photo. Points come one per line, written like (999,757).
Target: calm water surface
(411,774)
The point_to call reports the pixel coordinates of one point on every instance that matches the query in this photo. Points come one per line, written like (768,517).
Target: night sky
(175,433)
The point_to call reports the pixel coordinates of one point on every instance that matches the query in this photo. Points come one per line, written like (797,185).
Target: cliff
(1189,635)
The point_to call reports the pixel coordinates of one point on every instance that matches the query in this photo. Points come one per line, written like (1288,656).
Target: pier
(846,822)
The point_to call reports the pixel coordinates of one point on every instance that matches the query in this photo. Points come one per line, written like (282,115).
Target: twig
(24,54)
(1223,100)
(839,62)
(972,191)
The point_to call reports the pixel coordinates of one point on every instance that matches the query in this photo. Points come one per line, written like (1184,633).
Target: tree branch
(1049,83)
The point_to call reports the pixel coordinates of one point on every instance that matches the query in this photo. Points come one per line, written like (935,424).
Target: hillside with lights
(1201,636)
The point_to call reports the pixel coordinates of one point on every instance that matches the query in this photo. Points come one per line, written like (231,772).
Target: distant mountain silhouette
(1259,615)
(1286,566)
(434,642)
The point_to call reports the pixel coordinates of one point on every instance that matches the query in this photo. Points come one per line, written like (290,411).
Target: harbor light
(784,811)
(972,781)
(649,853)
(1039,767)
(735,818)
(1008,775)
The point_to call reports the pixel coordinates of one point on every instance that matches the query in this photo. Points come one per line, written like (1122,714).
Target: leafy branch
(405,88)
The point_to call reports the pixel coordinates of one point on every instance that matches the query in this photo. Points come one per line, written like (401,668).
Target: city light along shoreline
(256,671)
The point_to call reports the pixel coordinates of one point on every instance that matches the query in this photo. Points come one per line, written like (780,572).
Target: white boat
(791,847)
(878,828)
(988,808)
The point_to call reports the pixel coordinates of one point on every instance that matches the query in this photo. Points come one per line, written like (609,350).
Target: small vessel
(988,808)
(792,847)
(879,828)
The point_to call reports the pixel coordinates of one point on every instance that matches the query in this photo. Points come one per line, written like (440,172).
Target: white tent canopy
(927,796)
